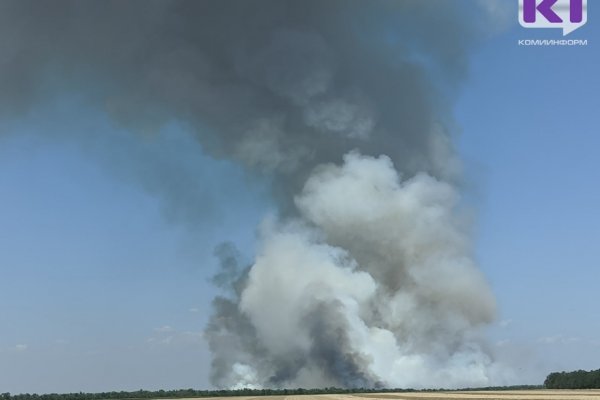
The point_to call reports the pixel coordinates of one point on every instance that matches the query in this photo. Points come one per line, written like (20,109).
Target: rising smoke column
(364,277)
(372,285)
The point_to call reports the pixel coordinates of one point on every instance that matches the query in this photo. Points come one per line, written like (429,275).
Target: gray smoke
(365,277)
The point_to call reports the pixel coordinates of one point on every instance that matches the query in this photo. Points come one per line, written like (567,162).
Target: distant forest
(556,380)
(184,393)
(187,393)
(573,380)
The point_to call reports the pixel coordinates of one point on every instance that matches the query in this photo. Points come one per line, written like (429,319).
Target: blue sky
(105,286)
(530,139)
(100,276)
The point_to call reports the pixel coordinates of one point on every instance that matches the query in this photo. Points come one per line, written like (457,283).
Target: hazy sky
(530,138)
(105,287)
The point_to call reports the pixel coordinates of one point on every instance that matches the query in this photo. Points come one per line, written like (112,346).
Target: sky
(529,137)
(106,286)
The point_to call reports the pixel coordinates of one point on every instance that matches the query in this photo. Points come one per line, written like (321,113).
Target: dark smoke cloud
(378,286)
(278,85)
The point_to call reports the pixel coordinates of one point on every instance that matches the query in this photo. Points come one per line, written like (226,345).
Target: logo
(567,15)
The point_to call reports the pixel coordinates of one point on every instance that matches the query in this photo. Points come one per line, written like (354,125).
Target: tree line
(188,393)
(573,380)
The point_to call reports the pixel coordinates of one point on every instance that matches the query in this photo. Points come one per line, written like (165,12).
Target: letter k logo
(565,14)
(544,7)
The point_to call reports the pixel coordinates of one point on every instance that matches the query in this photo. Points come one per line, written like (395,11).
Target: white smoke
(380,269)
(366,278)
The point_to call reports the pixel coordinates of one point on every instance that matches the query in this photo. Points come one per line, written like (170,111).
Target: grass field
(496,395)
(470,395)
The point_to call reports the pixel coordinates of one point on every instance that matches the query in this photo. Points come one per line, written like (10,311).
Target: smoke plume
(364,276)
